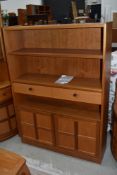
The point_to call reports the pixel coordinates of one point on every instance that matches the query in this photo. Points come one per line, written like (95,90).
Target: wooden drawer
(13,123)
(87,129)
(44,120)
(87,145)
(26,117)
(32,90)
(4,127)
(77,95)
(65,125)
(11,110)
(5,94)
(66,141)
(28,131)
(3,113)
(45,136)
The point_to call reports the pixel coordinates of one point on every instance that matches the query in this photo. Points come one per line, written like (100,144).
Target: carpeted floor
(44,162)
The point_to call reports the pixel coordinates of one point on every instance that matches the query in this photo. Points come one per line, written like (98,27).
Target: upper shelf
(59,52)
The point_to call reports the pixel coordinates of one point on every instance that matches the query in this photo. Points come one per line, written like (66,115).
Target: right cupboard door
(79,136)
(88,137)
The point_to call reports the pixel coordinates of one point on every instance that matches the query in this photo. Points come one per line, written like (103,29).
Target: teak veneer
(69,118)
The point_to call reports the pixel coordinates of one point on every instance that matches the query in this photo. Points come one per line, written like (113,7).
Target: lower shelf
(70,131)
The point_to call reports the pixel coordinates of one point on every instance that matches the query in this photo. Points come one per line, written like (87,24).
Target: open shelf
(90,84)
(59,52)
(79,111)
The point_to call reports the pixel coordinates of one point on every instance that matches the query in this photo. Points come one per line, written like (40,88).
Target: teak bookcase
(69,118)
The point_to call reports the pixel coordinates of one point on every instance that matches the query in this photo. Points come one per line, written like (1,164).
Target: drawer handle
(30,89)
(75,95)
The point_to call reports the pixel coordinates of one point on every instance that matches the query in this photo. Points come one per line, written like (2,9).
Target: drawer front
(3,113)
(5,94)
(65,125)
(45,136)
(4,127)
(11,110)
(44,120)
(32,90)
(77,95)
(13,123)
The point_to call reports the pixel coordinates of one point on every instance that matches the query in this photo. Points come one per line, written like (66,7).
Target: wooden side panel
(107,45)
(13,40)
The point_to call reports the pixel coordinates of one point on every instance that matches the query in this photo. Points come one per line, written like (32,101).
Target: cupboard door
(66,141)
(27,124)
(65,132)
(26,117)
(65,125)
(44,120)
(88,133)
(45,136)
(28,131)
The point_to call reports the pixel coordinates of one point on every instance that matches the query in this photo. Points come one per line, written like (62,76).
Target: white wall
(13,5)
(108,7)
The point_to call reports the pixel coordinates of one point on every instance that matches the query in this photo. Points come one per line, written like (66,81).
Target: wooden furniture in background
(114,35)
(114,128)
(7,114)
(68,118)
(12,164)
(22,19)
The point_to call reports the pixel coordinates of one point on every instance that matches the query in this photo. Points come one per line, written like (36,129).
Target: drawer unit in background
(8,126)
(5,94)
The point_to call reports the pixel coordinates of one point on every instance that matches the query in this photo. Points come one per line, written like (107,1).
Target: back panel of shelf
(80,38)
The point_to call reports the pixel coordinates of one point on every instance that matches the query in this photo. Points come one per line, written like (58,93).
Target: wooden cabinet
(69,118)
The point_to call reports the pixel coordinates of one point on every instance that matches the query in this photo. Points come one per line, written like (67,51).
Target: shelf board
(81,53)
(4,84)
(89,84)
(68,110)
